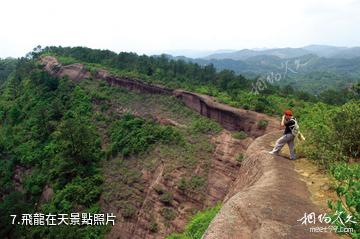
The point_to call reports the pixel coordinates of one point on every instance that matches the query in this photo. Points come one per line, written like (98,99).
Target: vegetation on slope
(51,136)
(132,135)
(47,133)
(307,72)
(180,149)
(55,132)
(329,120)
(7,66)
(198,224)
(225,85)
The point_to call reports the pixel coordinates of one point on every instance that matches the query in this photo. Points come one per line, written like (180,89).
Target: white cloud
(155,26)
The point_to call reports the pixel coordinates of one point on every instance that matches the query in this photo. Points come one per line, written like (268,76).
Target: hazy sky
(154,26)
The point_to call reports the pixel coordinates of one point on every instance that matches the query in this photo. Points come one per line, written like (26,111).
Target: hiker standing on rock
(291,130)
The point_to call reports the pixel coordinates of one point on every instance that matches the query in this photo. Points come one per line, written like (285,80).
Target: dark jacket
(289,124)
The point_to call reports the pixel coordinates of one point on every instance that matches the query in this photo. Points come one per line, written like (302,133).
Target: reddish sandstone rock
(74,71)
(230,118)
(224,166)
(266,201)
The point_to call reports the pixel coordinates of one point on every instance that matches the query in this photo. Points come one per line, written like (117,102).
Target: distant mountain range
(319,50)
(312,68)
(196,53)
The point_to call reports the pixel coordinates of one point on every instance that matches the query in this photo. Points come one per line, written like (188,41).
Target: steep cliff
(263,198)
(229,117)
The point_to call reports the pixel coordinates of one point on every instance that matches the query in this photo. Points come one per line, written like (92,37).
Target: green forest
(51,131)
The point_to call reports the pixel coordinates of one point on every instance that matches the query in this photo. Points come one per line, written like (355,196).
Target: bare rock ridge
(229,117)
(266,200)
(74,71)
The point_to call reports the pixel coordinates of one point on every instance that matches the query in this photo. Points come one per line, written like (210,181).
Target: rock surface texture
(264,198)
(267,200)
(229,117)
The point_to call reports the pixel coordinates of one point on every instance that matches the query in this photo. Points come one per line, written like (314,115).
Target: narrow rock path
(267,200)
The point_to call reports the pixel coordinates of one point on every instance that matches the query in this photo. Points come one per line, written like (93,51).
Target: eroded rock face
(225,166)
(74,71)
(262,199)
(134,84)
(150,209)
(230,118)
(267,199)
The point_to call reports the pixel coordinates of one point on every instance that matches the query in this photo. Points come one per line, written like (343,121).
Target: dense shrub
(333,142)
(182,184)
(240,157)
(262,124)
(198,224)
(132,135)
(128,211)
(47,134)
(168,213)
(153,226)
(346,129)
(348,191)
(240,135)
(205,125)
(196,182)
(166,198)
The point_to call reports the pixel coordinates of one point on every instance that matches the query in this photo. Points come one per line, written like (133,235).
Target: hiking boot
(273,153)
